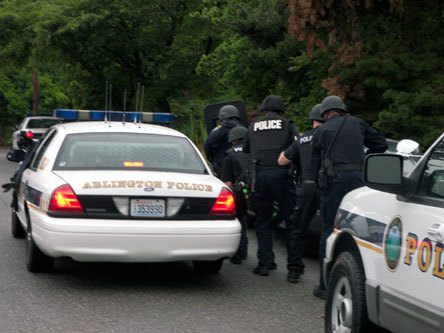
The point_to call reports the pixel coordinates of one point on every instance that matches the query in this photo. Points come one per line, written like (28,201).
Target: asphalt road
(79,297)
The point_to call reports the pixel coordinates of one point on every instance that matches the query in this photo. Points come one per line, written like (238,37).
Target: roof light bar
(129,116)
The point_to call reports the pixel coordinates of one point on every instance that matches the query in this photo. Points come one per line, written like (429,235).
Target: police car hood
(142,183)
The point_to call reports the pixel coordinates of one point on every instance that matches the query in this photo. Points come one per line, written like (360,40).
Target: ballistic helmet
(333,103)
(237,133)
(228,111)
(272,103)
(315,113)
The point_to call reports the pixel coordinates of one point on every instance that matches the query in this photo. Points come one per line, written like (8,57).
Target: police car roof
(42,117)
(114,126)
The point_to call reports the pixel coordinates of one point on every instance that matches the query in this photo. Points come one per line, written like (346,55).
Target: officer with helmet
(299,153)
(233,173)
(217,143)
(337,161)
(267,136)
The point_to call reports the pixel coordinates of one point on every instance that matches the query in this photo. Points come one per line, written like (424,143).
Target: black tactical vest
(239,162)
(305,150)
(269,135)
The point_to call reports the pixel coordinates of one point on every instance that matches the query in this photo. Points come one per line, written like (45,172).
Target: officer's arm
(373,140)
(290,155)
(207,149)
(212,142)
(283,160)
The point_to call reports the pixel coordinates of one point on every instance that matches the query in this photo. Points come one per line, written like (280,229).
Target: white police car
(385,259)
(32,128)
(123,192)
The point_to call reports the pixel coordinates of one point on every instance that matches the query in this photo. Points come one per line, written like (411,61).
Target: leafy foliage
(384,57)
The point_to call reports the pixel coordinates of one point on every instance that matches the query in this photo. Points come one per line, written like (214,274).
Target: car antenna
(141,106)
(110,99)
(124,106)
(137,96)
(106,99)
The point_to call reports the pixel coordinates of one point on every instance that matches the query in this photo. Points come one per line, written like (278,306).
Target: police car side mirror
(384,172)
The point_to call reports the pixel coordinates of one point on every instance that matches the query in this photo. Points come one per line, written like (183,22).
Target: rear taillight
(224,204)
(63,199)
(29,135)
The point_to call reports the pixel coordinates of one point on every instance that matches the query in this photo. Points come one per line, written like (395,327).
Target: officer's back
(347,151)
(269,134)
(354,135)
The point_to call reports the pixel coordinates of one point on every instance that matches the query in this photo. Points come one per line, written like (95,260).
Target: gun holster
(326,172)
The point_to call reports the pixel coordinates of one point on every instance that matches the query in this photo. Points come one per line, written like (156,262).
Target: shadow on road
(177,275)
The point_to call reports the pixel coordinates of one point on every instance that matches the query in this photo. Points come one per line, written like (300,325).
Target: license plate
(148,207)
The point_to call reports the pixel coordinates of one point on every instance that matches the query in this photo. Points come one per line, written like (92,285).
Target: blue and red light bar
(98,115)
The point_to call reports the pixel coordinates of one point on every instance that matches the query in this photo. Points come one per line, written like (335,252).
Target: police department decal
(393,243)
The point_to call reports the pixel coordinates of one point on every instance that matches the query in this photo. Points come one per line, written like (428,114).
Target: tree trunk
(35,92)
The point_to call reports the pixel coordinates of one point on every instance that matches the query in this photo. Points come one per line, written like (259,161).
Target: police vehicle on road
(384,263)
(31,129)
(109,191)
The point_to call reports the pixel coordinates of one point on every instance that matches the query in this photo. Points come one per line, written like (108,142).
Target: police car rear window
(42,123)
(128,151)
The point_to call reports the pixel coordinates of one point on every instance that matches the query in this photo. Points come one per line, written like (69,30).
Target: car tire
(17,229)
(36,260)
(208,267)
(346,306)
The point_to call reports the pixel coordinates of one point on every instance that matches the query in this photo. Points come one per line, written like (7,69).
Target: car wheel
(36,260)
(208,267)
(346,308)
(17,229)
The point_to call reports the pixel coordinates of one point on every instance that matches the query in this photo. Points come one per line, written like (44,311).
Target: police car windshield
(128,151)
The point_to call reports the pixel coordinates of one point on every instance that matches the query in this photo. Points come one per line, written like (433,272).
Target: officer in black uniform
(17,177)
(217,143)
(267,136)
(307,194)
(337,161)
(233,173)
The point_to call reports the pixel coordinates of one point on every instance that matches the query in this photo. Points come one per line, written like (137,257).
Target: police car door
(414,263)
(36,179)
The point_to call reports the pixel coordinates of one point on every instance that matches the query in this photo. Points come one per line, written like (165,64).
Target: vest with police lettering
(305,150)
(269,135)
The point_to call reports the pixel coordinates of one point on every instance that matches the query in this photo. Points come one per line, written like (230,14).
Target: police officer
(267,136)
(308,194)
(233,173)
(337,161)
(217,143)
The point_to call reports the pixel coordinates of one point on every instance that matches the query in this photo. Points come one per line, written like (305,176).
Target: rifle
(327,169)
(252,170)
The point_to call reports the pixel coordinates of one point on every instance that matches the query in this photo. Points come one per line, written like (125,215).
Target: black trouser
(344,182)
(306,208)
(272,185)
(241,214)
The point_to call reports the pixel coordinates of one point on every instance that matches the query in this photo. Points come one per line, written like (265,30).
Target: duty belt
(347,167)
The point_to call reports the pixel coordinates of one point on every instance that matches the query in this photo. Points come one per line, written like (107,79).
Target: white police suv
(385,259)
(123,192)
